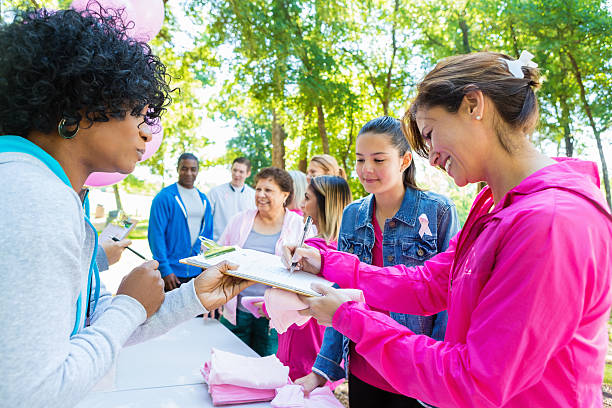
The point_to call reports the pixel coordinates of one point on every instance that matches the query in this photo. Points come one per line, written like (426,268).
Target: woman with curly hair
(76,97)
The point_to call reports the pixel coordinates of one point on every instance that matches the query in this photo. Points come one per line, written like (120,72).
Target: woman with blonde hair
(324,164)
(299,189)
(325,200)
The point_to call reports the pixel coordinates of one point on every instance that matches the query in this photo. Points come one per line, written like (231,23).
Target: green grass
(140,231)
(608,374)
(608,368)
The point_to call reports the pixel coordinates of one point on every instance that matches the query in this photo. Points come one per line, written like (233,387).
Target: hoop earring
(478,117)
(66,134)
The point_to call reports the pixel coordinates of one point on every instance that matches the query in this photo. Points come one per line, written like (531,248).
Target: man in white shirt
(231,198)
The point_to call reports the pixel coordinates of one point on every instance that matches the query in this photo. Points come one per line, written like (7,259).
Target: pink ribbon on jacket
(424,230)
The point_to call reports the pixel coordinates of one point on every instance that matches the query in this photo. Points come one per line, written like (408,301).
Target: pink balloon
(104,179)
(152,146)
(147,15)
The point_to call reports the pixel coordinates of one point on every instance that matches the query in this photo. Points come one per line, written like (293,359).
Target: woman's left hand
(323,307)
(114,249)
(214,288)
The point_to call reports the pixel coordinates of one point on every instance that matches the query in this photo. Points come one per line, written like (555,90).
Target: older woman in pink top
(527,280)
(265,229)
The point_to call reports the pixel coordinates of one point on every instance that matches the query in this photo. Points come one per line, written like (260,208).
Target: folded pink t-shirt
(226,394)
(233,378)
(252,372)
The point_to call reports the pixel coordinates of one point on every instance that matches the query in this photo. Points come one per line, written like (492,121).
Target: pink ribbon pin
(424,230)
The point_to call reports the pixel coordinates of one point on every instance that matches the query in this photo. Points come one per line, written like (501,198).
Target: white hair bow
(514,66)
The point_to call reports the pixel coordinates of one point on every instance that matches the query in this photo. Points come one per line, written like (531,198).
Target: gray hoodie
(45,253)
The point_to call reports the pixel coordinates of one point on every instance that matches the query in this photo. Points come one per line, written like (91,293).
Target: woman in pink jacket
(527,280)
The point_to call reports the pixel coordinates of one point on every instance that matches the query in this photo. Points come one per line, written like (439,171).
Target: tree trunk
(465,35)
(278,143)
(347,152)
(303,163)
(322,130)
(567,132)
(385,105)
(515,46)
(117,197)
(587,109)
(389,80)
(569,141)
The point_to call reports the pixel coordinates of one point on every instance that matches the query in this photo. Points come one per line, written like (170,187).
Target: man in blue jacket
(180,213)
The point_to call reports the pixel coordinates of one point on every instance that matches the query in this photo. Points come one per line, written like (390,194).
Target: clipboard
(119,228)
(264,268)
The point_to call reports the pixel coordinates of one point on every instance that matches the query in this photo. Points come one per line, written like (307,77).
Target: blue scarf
(19,144)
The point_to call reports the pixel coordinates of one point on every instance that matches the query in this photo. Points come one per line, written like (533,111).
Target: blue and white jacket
(402,244)
(168,234)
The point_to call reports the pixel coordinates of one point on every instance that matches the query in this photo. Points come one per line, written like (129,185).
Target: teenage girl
(398,223)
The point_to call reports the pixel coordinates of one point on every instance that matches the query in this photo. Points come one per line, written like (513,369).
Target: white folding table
(165,371)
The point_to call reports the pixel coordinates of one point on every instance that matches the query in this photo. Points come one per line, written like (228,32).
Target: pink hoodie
(527,286)
(237,231)
(299,345)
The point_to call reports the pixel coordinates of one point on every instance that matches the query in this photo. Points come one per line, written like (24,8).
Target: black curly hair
(75,65)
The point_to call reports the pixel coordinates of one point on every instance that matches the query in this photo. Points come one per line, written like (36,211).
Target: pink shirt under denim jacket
(527,288)
(237,231)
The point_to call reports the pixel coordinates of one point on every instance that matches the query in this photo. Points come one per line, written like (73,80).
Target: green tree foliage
(300,77)
(343,63)
(571,41)
(254,141)
(188,69)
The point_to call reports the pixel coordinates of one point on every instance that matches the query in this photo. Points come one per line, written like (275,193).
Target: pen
(117,240)
(306,226)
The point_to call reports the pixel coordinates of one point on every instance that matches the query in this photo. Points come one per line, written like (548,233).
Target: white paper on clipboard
(119,229)
(263,268)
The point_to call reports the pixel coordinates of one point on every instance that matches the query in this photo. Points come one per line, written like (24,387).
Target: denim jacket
(403,244)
